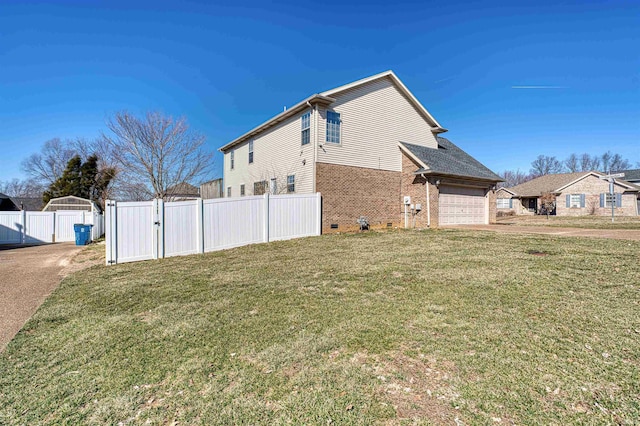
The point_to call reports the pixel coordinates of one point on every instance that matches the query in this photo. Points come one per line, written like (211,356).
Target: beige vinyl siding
(375,117)
(277,152)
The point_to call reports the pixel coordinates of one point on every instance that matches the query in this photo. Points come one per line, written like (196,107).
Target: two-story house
(372,150)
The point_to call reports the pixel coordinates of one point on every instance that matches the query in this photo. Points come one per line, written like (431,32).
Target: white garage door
(461,206)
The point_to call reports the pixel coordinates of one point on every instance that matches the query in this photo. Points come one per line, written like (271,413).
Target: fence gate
(131,231)
(155,229)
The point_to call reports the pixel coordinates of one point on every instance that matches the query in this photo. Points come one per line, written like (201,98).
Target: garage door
(461,206)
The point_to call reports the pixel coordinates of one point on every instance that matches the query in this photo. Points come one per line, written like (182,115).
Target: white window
(333,127)
(250,152)
(575,200)
(504,203)
(305,124)
(274,186)
(228,191)
(232,157)
(291,183)
(242,190)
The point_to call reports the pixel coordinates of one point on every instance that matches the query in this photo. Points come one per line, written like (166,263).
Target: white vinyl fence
(156,229)
(25,227)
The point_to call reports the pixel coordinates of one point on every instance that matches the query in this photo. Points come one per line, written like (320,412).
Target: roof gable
(400,85)
(326,98)
(555,183)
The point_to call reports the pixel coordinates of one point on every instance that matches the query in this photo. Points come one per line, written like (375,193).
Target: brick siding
(592,187)
(414,186)
(350,192)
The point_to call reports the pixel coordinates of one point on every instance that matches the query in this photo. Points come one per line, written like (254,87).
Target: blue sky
(66,66)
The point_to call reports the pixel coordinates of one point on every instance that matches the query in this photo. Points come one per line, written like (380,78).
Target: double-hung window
(574,200)
(291,183)
(250,152)
(305,125)
(242,190)
(333,127)
(504,203)
(228,191)
(232,158)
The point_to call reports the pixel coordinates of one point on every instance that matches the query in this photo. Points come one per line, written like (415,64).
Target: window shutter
(582,199)
(510,203)
(618,200)
(568,200)
(602,199)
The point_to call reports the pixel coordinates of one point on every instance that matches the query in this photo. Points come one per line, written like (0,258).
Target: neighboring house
(364,146)
(33,204)
(505,202)
(182,191)
(6,204)
(577,194)
(631,176)
(212,189)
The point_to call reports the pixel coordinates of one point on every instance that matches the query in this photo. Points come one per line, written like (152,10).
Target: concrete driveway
(28,275)
(616,234)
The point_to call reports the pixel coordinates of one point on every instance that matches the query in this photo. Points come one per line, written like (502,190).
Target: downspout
(428,203)
(314,108)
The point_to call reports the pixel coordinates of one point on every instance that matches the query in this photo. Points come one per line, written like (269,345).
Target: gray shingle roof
(631,175)
(450,160)
(552,183)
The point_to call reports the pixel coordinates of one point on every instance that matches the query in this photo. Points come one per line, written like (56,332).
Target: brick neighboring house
(577,194)
(365,146)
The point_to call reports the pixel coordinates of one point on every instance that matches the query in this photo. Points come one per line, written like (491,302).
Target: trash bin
(83,233)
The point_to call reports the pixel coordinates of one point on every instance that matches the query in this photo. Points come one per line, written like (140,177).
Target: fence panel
(65,219)
(233,222)
(11,227)
(154,229)
(136,233)
(294,216)
(181,228)
(40,227)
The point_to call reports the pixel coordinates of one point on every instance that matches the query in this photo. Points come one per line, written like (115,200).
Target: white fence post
(319,214)
(266,217)
(23,236)
(158,207)
(200,213)
(111,234)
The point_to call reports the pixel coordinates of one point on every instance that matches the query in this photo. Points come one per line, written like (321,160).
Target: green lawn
(590,222)
(389,327)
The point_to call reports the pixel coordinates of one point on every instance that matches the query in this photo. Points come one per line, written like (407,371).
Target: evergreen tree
(83,180)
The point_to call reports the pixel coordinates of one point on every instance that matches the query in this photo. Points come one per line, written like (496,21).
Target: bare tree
(47,166)
(513,178)
(545,165)
(606,161)
(572,163)
(588,162)
(275,179)
(618,163)
(157,151)
(548,203)
(22,188)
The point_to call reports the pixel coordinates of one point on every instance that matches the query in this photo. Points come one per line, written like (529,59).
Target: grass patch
(386,327)
(588,222)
